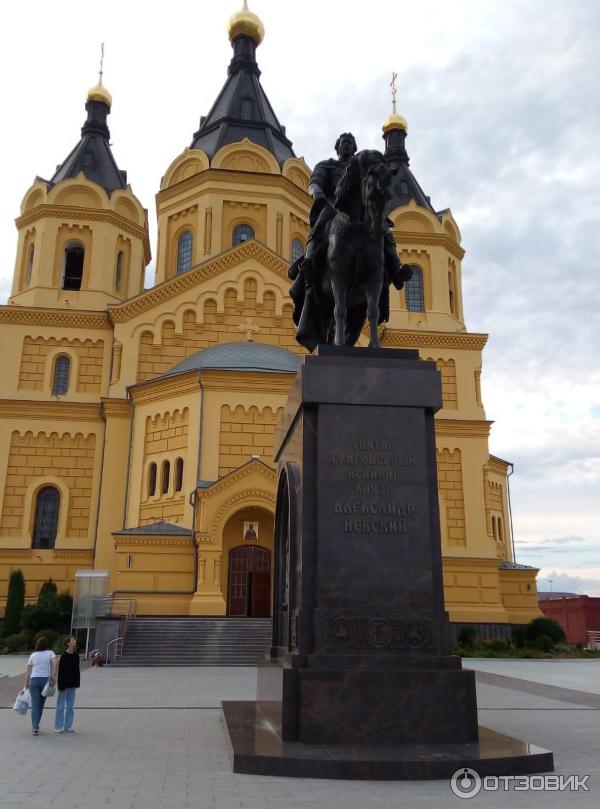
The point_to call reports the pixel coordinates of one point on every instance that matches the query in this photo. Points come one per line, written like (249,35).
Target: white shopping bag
(22,702)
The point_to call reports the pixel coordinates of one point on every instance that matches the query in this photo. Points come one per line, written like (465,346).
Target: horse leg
(373,293)
(339,287)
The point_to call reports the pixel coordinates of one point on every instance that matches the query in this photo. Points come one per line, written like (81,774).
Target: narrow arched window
(242,233)
(184,251)
(451,292)
(246,109)
(152,480)
(494,528)
(166,476)
(500,530)
(73,266)
(47,506)
(119,271)
(179,474)
(60,380)
(29,272)
(413,290)
(297,249)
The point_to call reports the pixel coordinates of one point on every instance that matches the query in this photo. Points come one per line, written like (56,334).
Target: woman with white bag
(40,677)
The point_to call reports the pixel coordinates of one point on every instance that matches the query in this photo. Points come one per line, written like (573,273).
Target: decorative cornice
(153,541)
(403,237)
(248,380)
(86,214)
(156,389)
(462,427)
(81,554)
(498,465)
(468,341)
(119,313)
(226,482)
(54,411)
(71,318)
(456,561)
(213,180)
(16,553)
(115,408)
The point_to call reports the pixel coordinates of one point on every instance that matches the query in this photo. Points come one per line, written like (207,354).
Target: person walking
(68,681)
(41,669)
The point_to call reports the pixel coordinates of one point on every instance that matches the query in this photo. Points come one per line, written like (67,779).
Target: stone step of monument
(185,641)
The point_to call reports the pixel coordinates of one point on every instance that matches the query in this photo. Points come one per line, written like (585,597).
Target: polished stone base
(255,736)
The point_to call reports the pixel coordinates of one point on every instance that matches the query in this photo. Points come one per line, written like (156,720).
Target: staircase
(166,641)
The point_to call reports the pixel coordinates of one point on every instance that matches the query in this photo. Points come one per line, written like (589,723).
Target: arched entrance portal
(249,582)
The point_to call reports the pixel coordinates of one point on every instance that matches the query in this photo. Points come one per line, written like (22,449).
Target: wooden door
(260,594)
(249,587)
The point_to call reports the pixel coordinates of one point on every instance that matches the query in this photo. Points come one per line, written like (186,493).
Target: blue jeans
(63,719)
(37,700)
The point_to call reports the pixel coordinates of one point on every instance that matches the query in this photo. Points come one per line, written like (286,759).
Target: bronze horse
(354,273)
(351,283)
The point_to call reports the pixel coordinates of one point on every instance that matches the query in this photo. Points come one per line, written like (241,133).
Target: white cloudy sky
(503,103)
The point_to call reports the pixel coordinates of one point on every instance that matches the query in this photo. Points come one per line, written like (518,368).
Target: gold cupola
(247,23)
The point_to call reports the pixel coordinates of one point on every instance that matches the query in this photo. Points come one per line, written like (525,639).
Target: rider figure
(321,187)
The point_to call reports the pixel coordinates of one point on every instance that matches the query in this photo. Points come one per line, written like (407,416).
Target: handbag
(22,702)
(48,690)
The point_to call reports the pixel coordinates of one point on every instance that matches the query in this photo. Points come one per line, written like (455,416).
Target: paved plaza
(154,739)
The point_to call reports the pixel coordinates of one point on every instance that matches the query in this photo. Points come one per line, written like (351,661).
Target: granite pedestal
(360,655)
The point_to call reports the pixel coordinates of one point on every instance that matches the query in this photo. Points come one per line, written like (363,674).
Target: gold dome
(99,93)
(246,22)
(394,121)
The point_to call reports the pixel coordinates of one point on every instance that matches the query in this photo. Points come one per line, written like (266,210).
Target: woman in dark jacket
(68,681)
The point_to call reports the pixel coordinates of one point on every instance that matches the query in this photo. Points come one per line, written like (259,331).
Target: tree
(15,602)
(52,611)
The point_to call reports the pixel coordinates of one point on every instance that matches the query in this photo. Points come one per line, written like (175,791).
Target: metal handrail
(118,651)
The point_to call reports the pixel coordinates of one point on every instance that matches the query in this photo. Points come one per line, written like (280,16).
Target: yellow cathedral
(136,425)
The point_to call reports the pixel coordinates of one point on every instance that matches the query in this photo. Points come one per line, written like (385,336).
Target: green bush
(544,643)
(519,636)
(16,643)
(60,644)
(50,634)
(48,592)
(466,636)
(548,627)
(52,610)
(495,644)
(15,601)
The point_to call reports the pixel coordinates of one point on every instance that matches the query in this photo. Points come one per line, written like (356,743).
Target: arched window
(73,266)
(119,270)
(242,233)
(500,530)
(179,474)
(297,249)
(29,272)
(152,480)
(413,290)
(451,292)
(166,475)
(184,251)
(45,526)
(494,528)
(246,109)
(60,380)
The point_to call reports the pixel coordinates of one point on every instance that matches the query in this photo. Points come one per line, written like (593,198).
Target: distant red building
(577,614)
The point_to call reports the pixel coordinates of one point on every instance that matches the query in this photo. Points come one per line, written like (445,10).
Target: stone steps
(185,641)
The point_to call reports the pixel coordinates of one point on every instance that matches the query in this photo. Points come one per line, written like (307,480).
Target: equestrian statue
(351,259)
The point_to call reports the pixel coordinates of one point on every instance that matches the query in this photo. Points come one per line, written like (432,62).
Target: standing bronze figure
(351,256)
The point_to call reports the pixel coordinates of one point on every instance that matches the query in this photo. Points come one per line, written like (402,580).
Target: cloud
(503,105)
(565,583)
